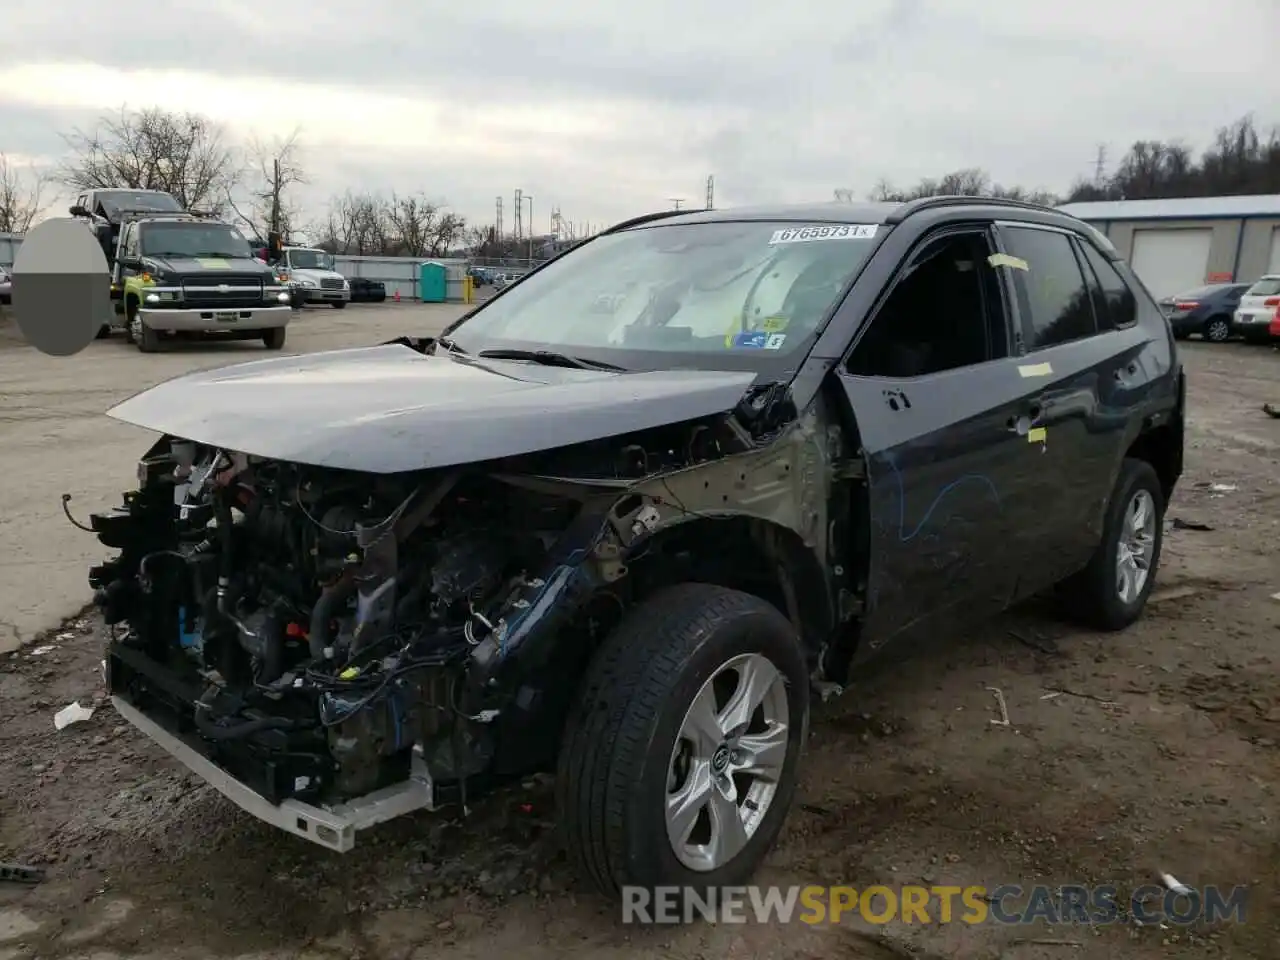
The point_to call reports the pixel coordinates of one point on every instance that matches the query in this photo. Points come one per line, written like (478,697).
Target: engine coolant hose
(210,729)
(332,595)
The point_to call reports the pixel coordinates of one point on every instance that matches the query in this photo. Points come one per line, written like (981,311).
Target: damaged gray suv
(622,521)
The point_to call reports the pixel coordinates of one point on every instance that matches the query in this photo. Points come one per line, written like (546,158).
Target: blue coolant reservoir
(191,640)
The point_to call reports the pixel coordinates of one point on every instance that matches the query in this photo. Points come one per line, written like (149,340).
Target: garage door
(1273,262)
(1170,262)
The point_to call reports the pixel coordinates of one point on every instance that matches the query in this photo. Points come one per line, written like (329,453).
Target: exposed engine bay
(321,618)
(324,635)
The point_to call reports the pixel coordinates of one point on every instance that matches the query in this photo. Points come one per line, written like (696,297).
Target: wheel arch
(753,555)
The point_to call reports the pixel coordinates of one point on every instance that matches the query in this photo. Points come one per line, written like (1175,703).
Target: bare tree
(449,232)
(842,195)
(20,196)
(272,169)
(414,222)
(183,154)
(969,182)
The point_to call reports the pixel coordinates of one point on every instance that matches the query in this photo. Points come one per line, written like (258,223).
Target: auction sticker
(824,231)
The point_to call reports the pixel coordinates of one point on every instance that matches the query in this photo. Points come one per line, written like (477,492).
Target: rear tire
(1096,596)
(1217,329)
(630,745)
(274,338)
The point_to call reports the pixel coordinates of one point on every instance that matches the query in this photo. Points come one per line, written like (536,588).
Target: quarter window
(1118,307)
(1052,295)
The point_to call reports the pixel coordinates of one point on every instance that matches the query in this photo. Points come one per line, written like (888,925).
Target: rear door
(933,387)
(1086,368)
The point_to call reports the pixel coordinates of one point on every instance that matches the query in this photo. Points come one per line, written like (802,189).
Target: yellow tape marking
(214,264)
(1004,260)
(1036,435)
(775,324)
(1036,370)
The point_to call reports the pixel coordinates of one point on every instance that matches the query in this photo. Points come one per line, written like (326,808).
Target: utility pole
(677,201)
(497,224)
(530,199)
(1100,165)
(711,192)
(519,216)
(275,195)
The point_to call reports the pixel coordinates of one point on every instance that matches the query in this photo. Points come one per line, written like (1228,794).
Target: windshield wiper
(549,358)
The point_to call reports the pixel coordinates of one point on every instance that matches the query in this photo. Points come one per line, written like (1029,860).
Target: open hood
(390,409)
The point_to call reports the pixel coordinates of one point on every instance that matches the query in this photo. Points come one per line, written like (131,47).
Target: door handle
(1022,425)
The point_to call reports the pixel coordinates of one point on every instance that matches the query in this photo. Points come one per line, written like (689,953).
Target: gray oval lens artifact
(61,287)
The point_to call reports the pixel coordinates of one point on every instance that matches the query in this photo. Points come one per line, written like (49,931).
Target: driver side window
(944,310)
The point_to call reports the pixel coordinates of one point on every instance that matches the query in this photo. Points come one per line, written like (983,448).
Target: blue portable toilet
(433,282)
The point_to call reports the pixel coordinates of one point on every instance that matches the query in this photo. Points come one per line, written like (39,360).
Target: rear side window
(1118,308)
(1052,295)
(1266,287)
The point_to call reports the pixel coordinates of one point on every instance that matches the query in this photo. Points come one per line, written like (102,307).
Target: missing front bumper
(334,828)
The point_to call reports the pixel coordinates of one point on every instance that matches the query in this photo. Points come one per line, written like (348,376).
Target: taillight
(1186,305)
(1271,302)
(1274,329)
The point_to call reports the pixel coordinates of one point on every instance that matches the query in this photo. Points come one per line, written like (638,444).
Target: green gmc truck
(177,274)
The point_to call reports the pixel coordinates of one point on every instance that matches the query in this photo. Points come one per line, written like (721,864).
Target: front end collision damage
(327,671)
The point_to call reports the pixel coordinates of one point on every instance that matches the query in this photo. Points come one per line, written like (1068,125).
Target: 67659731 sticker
(824,231)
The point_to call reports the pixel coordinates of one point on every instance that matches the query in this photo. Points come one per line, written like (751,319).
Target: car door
(1083,367)
(934,392)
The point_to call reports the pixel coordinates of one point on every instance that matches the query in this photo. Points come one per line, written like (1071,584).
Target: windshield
(116,200)
(310,260)
(1266,287)
(217,240)
(722,295)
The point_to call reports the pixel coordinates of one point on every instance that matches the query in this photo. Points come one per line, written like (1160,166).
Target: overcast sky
(607,110)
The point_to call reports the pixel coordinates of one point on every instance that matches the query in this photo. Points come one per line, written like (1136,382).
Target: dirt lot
(1128,755)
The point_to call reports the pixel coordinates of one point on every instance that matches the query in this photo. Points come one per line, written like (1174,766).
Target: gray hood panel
(390,409)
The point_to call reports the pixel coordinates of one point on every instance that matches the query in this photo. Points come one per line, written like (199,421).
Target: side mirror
(79,211)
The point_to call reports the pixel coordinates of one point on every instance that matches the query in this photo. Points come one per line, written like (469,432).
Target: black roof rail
(912,207)
(647,218)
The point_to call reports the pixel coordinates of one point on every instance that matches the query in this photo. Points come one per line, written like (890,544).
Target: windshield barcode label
(832,231)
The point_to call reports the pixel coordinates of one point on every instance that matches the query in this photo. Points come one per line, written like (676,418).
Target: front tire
(1110,593)
(679,762)
(274,339)
(339,304)
(146,339)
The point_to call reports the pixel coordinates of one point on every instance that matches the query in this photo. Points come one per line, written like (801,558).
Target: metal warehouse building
(1179,244)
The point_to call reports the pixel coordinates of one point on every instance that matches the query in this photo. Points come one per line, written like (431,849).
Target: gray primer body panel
(390,409)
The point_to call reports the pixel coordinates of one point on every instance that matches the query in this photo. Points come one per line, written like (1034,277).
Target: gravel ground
(1127,755)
